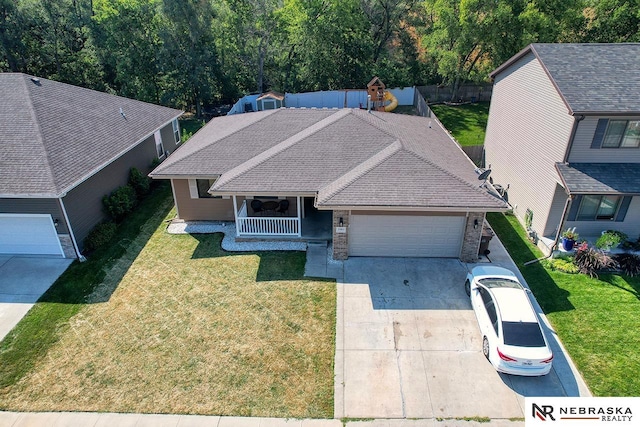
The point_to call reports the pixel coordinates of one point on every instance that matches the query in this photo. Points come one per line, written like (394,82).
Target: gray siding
(84,202)
(168,139)
(581,151)
(36,206)
(555,213)
(630,225)
(527,133)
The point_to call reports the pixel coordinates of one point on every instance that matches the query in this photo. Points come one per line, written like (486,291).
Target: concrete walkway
(23,279)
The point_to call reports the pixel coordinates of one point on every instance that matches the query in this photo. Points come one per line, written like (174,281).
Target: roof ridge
(278,148)
(261,117)
(371,114)
(340,183)
(36,121)
(452,175)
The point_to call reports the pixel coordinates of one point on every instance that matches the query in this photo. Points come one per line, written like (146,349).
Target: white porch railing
(265,226)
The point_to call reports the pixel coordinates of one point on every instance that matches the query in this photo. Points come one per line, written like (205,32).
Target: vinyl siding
(36,206)
(527,133)
(630,225)
(581,151)
(555,213)
(84,203)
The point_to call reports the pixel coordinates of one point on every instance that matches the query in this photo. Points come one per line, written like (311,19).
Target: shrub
(120,202)
(564,265)
(100,235)
(610,239)
(631,245)
(628,263)
(140,183)
(590,261)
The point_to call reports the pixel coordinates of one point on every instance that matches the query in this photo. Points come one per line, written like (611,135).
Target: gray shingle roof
(55,135)
(600,178)
(591,77)
(349,157)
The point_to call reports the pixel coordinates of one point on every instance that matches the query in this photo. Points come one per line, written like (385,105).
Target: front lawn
(598,320)
(467,123)
(173,324)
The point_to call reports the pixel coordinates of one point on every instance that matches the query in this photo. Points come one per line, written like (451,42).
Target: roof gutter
(414,208)
(572,135)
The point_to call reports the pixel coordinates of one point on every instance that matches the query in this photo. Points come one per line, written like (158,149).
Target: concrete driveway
(22,281)
(408,346)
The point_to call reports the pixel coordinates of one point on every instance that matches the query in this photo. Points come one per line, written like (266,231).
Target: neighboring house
(378,184)
(564,136)
(63,149)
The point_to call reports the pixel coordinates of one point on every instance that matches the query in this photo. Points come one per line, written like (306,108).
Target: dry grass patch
(193,329)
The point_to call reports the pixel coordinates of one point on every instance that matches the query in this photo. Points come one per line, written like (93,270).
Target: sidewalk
(89,419)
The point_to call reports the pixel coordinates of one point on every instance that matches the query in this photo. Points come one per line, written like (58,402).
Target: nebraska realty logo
(582,411)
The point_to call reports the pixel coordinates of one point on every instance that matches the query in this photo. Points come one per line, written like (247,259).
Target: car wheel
(467,287)
(485,347)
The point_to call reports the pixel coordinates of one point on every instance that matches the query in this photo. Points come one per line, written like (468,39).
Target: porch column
(235,214)
(299,217)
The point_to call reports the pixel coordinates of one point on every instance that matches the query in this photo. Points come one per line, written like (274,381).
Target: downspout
(567,206)
(81,257)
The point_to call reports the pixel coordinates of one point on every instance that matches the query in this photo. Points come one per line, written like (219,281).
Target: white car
(512,338)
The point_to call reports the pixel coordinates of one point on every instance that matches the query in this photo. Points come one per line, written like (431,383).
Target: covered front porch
(281,217)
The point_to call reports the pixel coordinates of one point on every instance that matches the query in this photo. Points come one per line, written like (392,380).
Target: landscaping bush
(100,235)
(119,203)
(631,245)
(590,261)
(629,264)
(562,264)
(140,183)
(610,239)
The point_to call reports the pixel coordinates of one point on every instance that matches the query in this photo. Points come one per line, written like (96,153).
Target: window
(593,208)
(622,133)
(159,147)
(198,189)
(176,130)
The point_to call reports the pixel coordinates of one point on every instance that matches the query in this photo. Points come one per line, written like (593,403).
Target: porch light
(475,223)
(341,223)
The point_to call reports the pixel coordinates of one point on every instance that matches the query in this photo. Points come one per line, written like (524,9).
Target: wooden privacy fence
(475,153)
(466,93)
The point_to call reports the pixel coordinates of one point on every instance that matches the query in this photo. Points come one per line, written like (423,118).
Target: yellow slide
(388,96)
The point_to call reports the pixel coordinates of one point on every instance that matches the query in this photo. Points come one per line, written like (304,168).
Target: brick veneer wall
(471,241)
(340,240)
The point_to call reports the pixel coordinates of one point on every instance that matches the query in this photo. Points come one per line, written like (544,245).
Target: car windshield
(522,334)
(494,282)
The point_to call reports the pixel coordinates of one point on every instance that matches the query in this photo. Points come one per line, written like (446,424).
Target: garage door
(406,236)
(28,234)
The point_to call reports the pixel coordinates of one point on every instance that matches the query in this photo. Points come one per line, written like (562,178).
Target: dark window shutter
(573,210)
(599,135)
(624,207)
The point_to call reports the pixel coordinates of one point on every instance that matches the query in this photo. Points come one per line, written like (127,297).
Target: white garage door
(406,236)
(29,234)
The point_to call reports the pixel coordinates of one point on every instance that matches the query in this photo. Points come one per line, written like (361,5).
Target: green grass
(189,126)
(467,123)
(160,323)
(597,319)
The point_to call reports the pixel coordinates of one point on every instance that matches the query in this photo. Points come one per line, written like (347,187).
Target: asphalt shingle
(55,135)
(349,157)
(600,178)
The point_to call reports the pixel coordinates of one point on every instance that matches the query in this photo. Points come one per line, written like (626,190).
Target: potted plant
(610,239)
(569,237)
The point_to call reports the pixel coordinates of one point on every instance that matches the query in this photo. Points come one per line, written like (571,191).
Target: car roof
(514,305)
(493,271)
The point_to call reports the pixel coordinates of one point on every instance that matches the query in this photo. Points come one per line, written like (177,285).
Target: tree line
(194,53)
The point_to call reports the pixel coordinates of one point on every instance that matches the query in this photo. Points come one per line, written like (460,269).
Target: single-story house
(64,148)
(563,138)
(382,184)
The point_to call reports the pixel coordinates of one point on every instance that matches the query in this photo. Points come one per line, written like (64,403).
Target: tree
(125,33)
(613,21)
(189,53)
